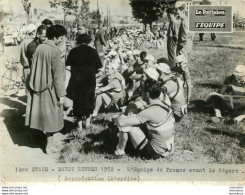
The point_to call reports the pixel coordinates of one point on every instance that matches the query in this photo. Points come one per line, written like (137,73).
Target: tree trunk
(151,26)
(28,19)
(64,19)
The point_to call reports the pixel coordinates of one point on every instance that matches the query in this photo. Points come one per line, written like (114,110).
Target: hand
(26,72)
(97,91)
(61,101)
(175,39)
(116,121)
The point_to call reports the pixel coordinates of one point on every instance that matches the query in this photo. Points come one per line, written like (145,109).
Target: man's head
(109,70)
(82,30)
(136,54)
(54,34)
(47,22)
(31,28)
(239,73)
(152,89)
(41,33)
(164,71)
(172,12)
(151,73)
(149,60)
(143,54)
(181,59)
(104,27)
(61,29)
(181,11)
(83,39)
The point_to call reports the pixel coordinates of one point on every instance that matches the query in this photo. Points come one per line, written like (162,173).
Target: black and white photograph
(122,90)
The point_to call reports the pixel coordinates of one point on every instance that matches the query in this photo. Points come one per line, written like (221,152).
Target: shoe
(87,124)
(79,126)
(216,119)
(52,149)
(79,129)
(116,155)
(94,114)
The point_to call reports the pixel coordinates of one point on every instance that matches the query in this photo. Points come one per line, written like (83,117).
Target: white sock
(217,113)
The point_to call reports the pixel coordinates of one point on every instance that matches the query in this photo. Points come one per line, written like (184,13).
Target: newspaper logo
(210,19)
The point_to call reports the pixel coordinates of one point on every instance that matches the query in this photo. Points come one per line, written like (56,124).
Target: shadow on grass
(236,135)
(220,132)
(15,124)
(199,106)
(101,143)
(208,85)
(68,127)
(105,142)
(224,46)
(100,121)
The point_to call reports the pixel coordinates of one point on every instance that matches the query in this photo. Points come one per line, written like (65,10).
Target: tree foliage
(96,17)
(83,16)
(149,11)
(27,7)
(70,7)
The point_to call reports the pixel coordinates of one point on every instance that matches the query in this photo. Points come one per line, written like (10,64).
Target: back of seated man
(173,86)
(182,70)
(112,92)
(159,141)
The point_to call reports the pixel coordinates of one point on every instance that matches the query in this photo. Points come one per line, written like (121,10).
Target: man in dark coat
(85,62)
(172,37)
(40,38)
(100,42)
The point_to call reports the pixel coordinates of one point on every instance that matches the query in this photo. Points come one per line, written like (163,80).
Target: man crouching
(159,120)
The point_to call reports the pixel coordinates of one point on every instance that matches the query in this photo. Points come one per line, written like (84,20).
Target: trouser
(171,48)
(201,36)
(213,36)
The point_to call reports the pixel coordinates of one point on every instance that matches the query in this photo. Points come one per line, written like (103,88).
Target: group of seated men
(146,91)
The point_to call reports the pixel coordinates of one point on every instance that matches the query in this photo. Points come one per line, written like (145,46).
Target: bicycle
(12,79)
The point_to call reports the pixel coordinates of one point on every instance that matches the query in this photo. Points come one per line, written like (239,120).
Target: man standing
(32,46)
(31,28)
(172,37)
(2,37)
(185,38)
(100,42)
(47,89)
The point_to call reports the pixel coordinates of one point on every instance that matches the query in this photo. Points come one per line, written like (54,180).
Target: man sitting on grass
(111,93)
(139,70)
(159,120)
(173,86)
(182,70)
(231,98)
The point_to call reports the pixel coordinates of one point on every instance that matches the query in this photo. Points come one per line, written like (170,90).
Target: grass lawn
(197,140)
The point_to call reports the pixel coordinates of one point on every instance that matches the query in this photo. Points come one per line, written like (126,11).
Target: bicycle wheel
(10,82)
